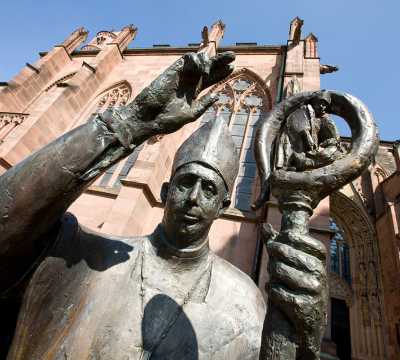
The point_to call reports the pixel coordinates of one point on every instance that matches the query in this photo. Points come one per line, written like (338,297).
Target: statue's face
(319,106)
(193,199)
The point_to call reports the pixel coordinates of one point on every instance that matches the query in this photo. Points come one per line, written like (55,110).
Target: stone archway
(364,298)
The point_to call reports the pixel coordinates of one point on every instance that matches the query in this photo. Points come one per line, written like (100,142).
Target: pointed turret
(214,38)
(77,38)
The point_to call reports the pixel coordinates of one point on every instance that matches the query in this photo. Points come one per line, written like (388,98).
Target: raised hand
(170,101)
(297,285)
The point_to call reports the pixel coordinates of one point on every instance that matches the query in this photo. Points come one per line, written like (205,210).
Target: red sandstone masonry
(21,90)
(68,103)
(26,85)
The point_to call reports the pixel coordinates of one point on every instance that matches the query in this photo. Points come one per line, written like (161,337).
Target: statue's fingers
(216,76)
(219,68)
(296,259)
(267,233)
(304,243)
(200,106)
(220,61)
(292,304)
(294,279)
(191,71)
(204,64)
(162,88)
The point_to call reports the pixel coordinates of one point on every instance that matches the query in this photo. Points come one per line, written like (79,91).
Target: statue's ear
(164,192)
(223,206)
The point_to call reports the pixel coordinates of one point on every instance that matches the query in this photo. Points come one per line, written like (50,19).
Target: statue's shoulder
(239,285)
(76,241)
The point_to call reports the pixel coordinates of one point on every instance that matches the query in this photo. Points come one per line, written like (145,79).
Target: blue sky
(361,37)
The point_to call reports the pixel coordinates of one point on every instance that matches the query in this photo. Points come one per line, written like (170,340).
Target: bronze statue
(313,166)
(87,295)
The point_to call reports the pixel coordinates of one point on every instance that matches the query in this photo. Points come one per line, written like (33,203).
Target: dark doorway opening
(341,328)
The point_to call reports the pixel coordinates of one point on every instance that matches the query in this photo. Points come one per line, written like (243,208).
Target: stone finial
(204,36)
(214,38)
(126,35)
(296,30)
(311,46)
(396,153)
(77,38)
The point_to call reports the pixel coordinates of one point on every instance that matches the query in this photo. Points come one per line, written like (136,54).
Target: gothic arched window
(340,253)
(100,40)
(244,99)
(113,98)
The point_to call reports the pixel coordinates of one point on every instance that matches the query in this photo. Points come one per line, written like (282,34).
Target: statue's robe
(103,297)
(87,295)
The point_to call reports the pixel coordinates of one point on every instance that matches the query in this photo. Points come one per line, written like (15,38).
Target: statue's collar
(193,253)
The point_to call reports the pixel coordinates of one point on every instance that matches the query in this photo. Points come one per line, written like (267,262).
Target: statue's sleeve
(328,130)
(35,193)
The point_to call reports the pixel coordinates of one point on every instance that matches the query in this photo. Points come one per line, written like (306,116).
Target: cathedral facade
(359,226)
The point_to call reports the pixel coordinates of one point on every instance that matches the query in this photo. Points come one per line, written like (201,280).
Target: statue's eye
(185,183)
(183,186)
(209,191)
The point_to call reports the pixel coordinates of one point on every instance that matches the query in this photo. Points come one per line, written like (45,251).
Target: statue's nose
(195,192)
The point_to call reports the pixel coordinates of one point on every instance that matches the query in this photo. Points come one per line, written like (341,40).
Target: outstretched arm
(35,193)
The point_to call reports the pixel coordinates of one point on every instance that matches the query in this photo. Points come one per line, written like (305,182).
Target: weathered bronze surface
(87,295)
(310,165)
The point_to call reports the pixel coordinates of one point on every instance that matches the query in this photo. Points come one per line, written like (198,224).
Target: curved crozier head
(318,182)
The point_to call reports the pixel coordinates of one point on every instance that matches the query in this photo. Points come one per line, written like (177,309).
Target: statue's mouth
(189,218)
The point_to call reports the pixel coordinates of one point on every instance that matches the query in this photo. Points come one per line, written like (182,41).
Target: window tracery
(8,123)
(380,175)
(244,99)
(64,79)
(340,253)
(114,98)
(100,40)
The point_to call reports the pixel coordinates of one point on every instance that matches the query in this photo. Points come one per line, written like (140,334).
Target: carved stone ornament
(204,36)
(156,138)
(340,290)
(293,87)
(309,167)
(376,309)
(327,69)
(365,309)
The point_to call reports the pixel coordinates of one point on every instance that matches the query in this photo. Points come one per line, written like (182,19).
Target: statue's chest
(136,308)
(143,306)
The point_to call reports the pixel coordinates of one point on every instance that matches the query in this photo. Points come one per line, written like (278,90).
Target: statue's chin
(186,236)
